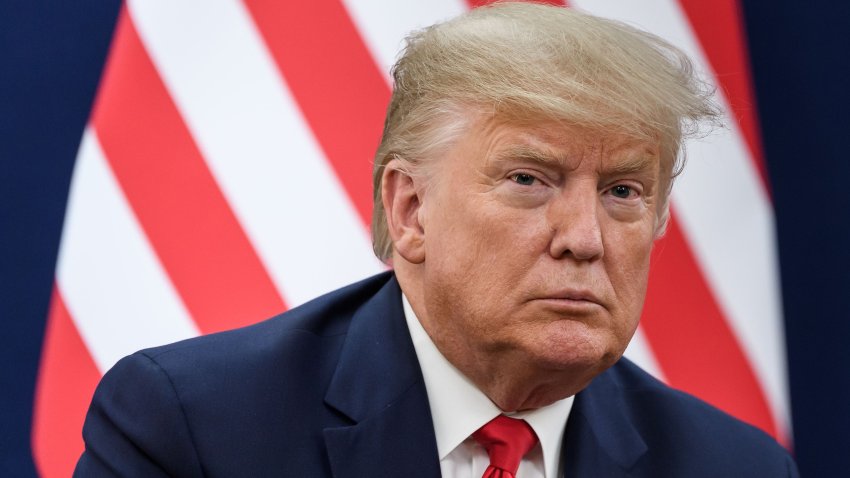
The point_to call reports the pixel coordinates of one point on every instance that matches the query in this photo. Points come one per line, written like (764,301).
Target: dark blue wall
(51,54)
(801,59)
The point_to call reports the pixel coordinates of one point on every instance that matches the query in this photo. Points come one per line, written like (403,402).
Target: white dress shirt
(458,409)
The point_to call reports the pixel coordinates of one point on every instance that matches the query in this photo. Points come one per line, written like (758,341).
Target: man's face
(537,242)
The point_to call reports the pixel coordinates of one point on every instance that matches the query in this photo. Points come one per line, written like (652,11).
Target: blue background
(51,54)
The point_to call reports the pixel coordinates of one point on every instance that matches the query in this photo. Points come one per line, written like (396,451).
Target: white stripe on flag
(384,25)
(116,291)
(255,140)
(725,212)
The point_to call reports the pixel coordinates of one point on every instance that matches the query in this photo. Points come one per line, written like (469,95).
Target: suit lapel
(600,439)
(378,385)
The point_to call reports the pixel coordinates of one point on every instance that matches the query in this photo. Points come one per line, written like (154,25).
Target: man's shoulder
(652,395)
(223,399)
(297,343)
(322,319)
(669,419)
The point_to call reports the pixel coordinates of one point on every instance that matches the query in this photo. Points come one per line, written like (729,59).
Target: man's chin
(556,378)
(574,360)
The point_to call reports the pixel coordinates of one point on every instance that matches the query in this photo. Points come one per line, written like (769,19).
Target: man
(523,176)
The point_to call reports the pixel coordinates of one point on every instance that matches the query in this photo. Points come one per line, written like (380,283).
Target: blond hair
(532,62)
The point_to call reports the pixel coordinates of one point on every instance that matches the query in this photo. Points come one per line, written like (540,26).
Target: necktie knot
(506,440)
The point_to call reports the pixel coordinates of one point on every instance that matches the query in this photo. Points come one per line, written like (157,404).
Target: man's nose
(574,219)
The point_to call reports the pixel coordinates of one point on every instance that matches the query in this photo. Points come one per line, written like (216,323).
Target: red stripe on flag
(689,335)
(720,27)
(335,81)
(172,192)
(66,382)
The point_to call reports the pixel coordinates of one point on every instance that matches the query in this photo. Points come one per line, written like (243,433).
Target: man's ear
(402,204)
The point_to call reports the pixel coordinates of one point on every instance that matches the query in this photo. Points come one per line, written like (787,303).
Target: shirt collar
(459,408)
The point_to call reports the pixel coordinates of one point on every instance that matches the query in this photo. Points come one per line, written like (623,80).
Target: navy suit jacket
(334,388)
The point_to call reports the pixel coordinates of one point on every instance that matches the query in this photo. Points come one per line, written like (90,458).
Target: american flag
(224,176)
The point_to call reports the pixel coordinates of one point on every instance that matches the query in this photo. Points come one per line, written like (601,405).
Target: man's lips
(574,295)
(571,299)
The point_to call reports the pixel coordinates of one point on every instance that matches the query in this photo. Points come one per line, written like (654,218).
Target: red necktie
(506,440)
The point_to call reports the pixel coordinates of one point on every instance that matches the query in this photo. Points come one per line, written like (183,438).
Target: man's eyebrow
(531,154)
(624,164)
(631,164)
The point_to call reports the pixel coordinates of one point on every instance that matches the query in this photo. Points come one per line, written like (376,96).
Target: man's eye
(523,179)
(621,191)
